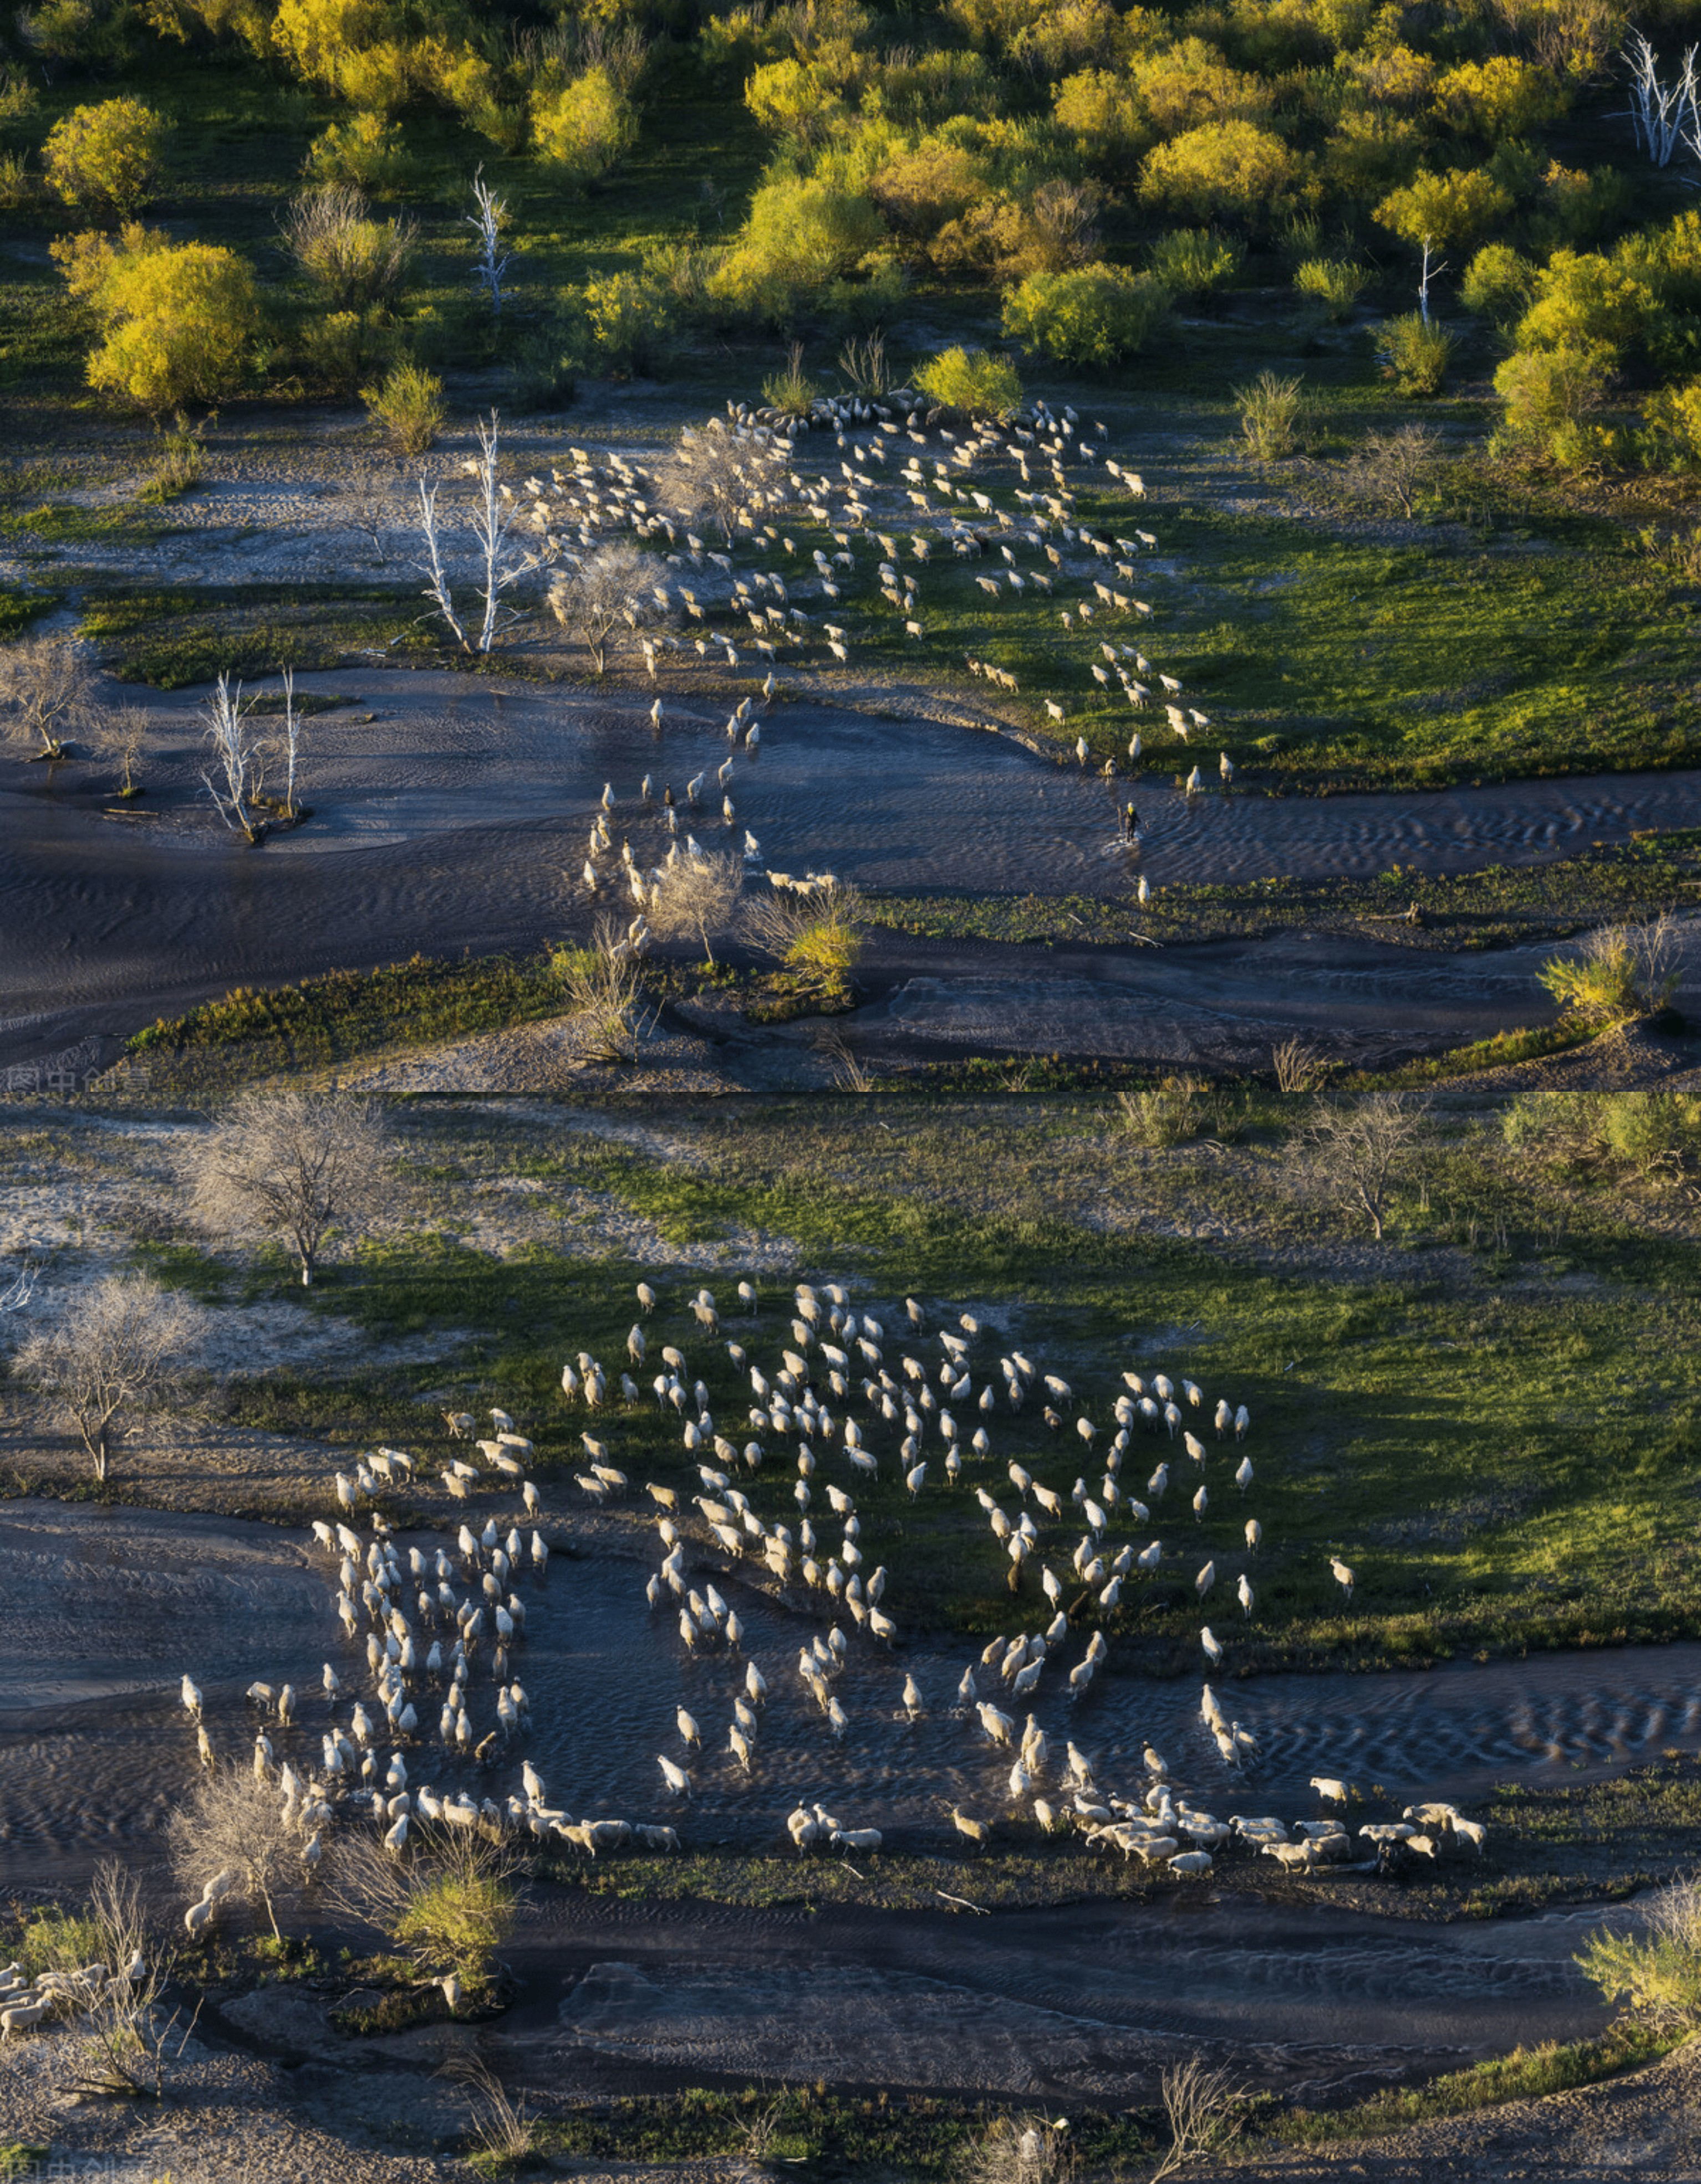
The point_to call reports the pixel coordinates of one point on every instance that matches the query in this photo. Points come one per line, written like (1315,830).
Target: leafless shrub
(1199,2105)
(604,987)
(1361,1148)
(716,476)
(123,731)
(1298,1067)
(119,2022)
(697,896)
(502,2126)
(111,1352)
(863,364)
(235,1823)
(1021,2149)
(1067,215)
(46,689)
(1391,469)
(606,600)
(487,219)
(291,1165)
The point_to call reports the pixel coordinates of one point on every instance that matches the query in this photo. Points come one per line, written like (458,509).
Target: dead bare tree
(286,743)
(1360,1148)
(607,598)
(499,568)
(235,777)
(698,895)
(108,1354)
(235,1823)
(291,1166)
(46,689)
(124,731)
(487,219)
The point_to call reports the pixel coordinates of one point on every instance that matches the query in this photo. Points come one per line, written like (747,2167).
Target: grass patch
(174,639)
(1526,2073)
(323,1021)
(70,523)
(20,609)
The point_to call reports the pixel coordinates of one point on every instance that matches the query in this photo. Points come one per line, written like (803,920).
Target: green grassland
(1497,1429)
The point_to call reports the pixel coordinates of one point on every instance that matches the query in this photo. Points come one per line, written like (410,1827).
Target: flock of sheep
(841,1396)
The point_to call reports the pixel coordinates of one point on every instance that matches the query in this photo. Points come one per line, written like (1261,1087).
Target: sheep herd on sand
(843,1403)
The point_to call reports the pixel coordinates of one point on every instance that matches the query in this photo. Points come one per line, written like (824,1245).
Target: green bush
(799,238)
(1222,170)
(178,319)
(584,127)
(792,390)
(365,153)
(1548,398)
(1091,318)
(1333,284)
(972,381)
(1414,352)
(408,404)
(457,1919)
(1621,970)
(1271,410)
(1192,262)
(628,323)
(107,157)
(1658,1971)
(1499,284)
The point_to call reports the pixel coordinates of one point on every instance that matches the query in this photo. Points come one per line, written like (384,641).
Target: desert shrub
(338,349)
(1390,75)
(352,258)
(1548,398)
(1584,301)
(178,319)
(1066,35)
(1099,110)
(802,100)
(1620,970)
(1498,283)
(1658,1972)
(1445,209)
(1047,230)
(1499,97)
(1092,317)
(798,237)
(792,390)
(696,897)
(1649,1130)
(1188,84)
(1371,153)
(1192,262)
(1172,1112)
(1333,284)
(921,189)
(1224,171)
(604,990)
(451,1905)
(972,381)
(106,158)
(408,404)
(583,128)
(626,322)
(365,153)
(17,183)
(1414,352)
(1271,410)
(1573,207)
(19,102)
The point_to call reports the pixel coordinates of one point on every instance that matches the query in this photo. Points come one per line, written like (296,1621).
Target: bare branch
(46,689)
(111,1351)
(290,1165)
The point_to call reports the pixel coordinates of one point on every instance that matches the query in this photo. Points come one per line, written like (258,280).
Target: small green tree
(106,158)
(1436,211)
(972,381)
(1092,317)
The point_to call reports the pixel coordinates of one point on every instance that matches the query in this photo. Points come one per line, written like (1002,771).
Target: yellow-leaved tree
(177,320)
